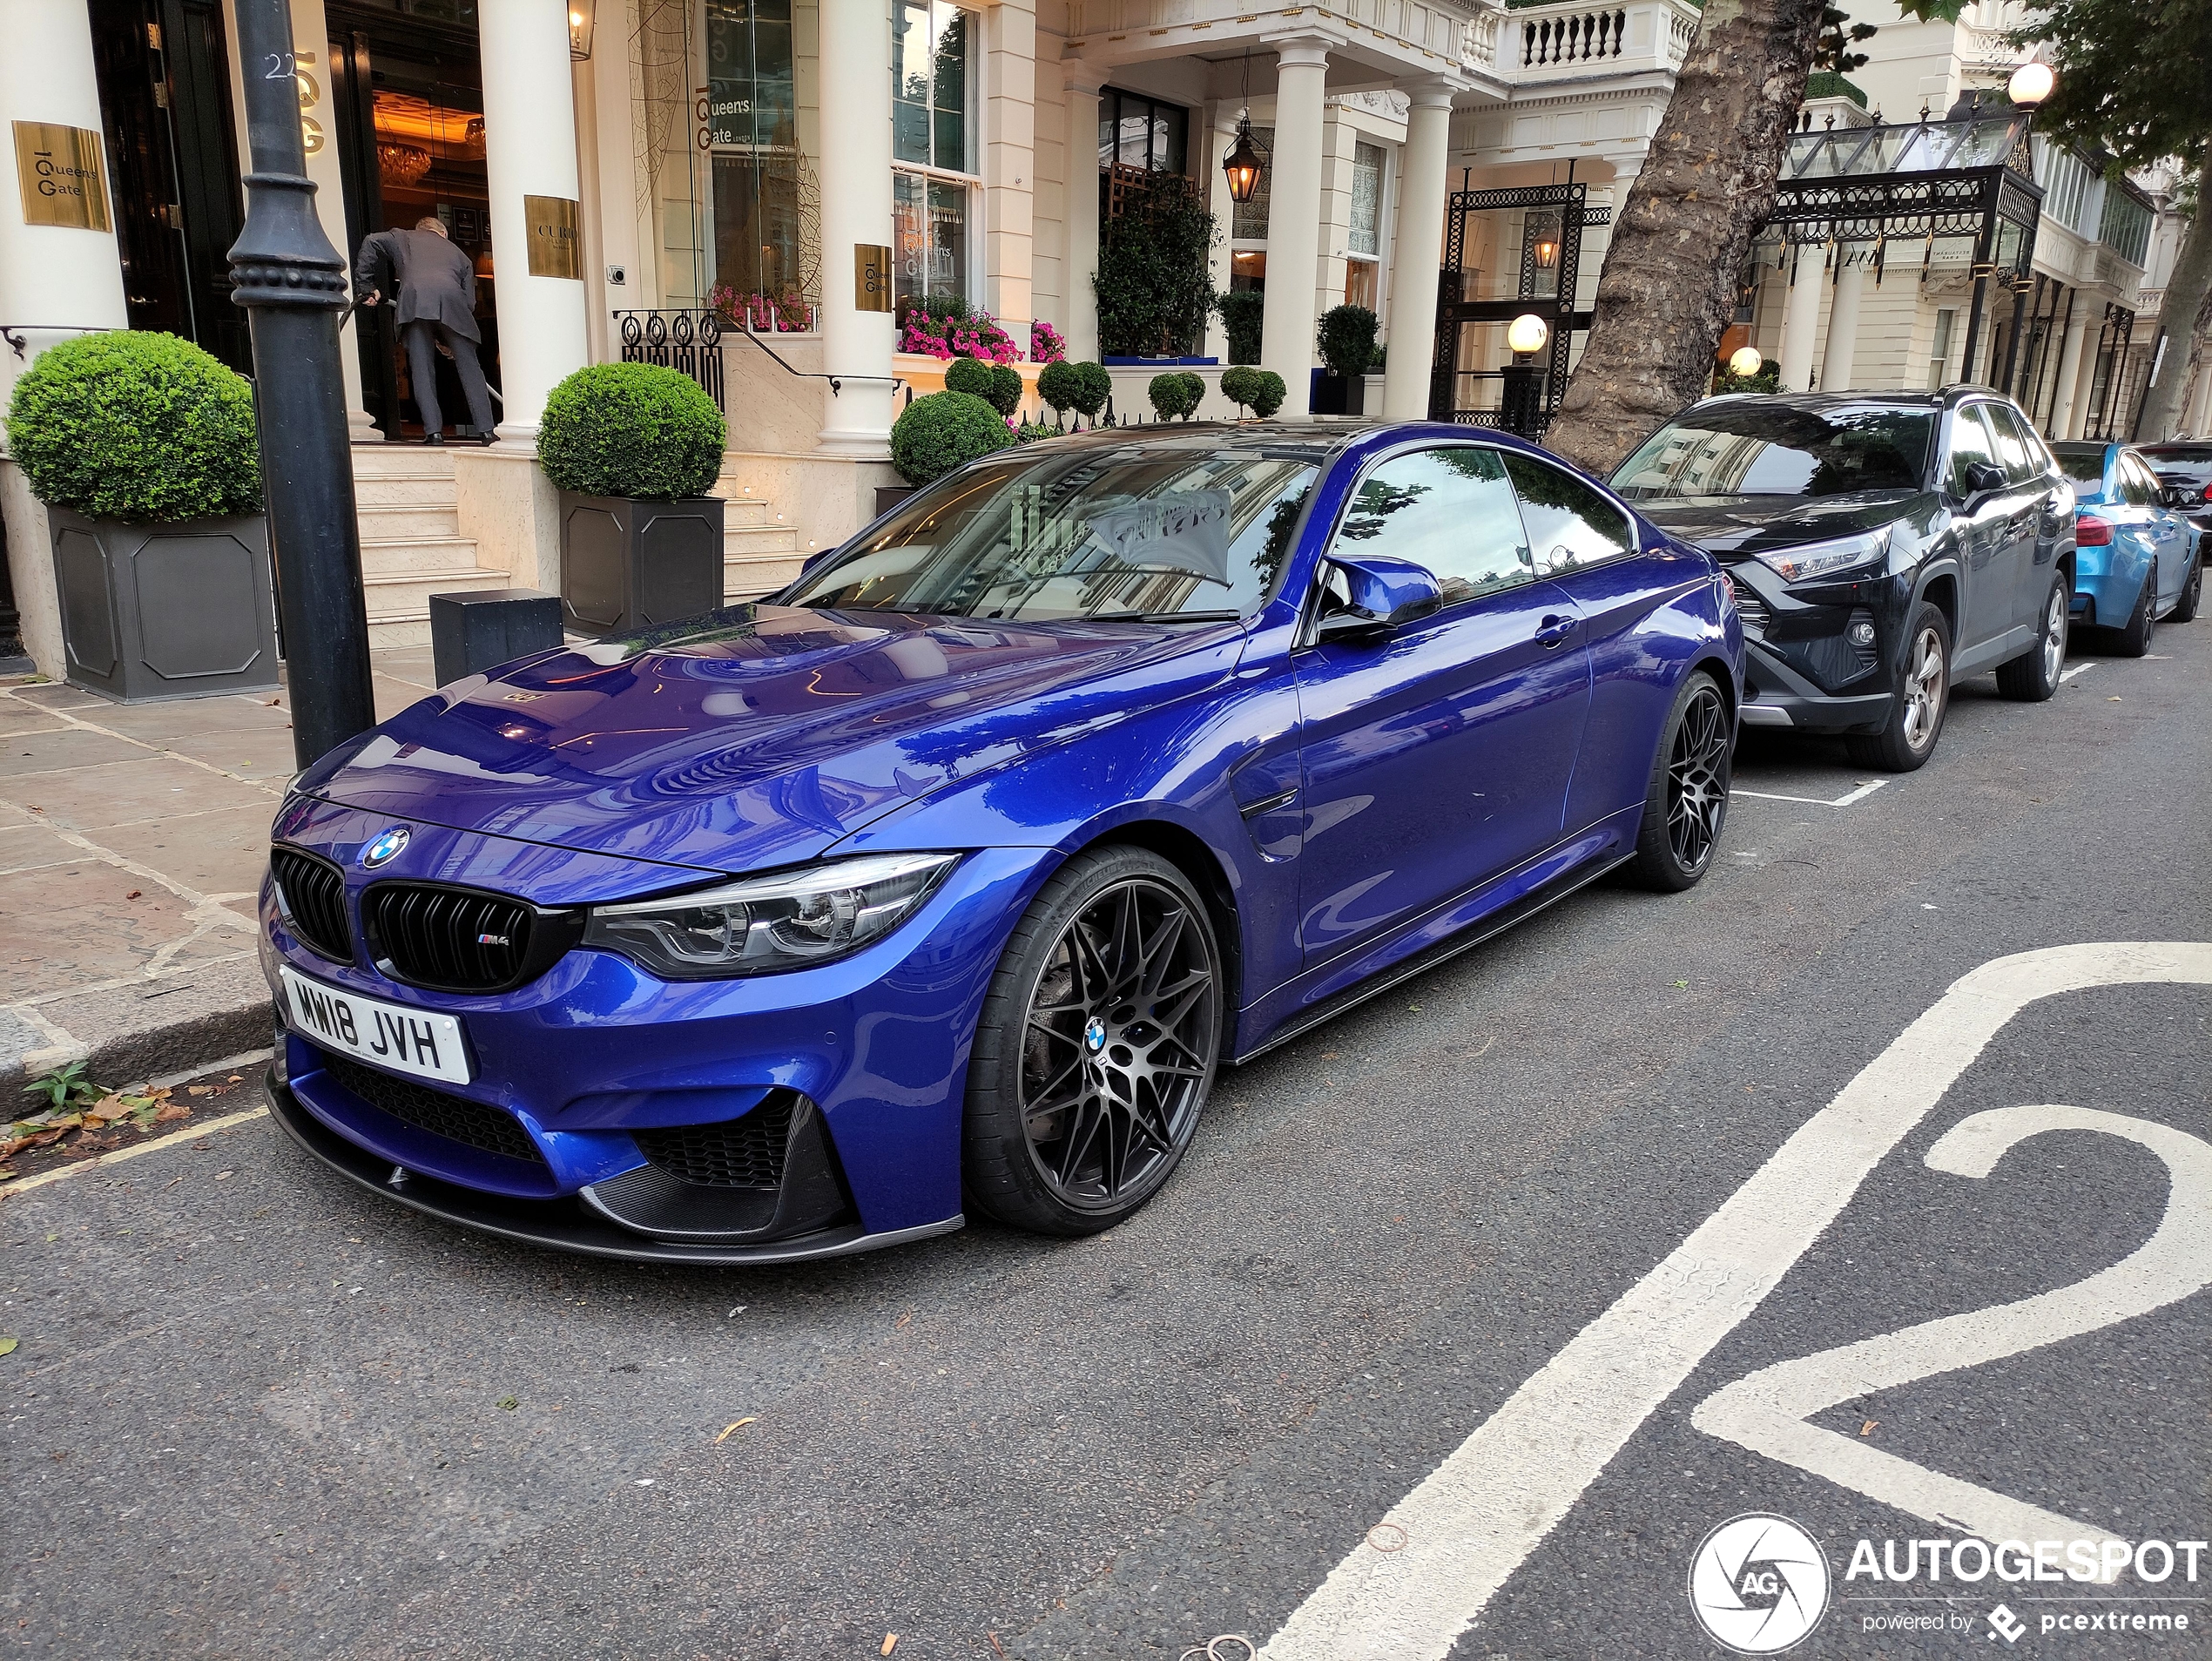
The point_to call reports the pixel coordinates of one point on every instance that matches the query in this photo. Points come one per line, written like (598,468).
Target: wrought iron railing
(689,341)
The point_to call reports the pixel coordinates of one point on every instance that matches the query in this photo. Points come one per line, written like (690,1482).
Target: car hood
(1740,526)
(756,736)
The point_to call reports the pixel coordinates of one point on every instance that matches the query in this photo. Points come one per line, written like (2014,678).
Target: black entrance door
(407,103)
(164,83)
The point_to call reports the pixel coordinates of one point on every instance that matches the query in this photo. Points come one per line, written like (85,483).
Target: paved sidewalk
(132,840)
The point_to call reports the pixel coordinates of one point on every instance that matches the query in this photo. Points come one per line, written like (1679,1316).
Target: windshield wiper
(1161,617)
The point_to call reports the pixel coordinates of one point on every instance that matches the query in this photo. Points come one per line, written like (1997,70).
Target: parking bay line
(1471,1523)
(8,1190)
(1843,800)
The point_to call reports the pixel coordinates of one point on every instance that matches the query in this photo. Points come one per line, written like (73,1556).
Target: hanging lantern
(1547,253)
(580,18)
(1244,164)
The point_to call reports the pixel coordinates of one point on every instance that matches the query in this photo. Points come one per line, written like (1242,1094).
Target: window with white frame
(934,182)
(1363,251)
(1939,348)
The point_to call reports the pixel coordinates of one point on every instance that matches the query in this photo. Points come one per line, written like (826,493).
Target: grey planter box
(888,496)
(165,611)
(627,564)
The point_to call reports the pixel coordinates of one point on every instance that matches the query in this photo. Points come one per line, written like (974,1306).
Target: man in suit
(436,286)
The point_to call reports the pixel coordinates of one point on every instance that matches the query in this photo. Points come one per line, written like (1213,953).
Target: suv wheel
(2034,676)
(1922,701)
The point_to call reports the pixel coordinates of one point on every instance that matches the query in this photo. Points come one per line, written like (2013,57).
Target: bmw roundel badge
(385,848)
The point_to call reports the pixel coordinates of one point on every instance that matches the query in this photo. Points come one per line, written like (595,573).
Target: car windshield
(1762,448)
(2175,465)
(2084,463)
(1164,529)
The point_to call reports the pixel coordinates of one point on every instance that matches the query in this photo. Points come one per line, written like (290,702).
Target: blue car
(2138,559)
(951,877)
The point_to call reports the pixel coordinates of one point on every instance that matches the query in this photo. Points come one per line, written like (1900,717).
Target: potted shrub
(633,447)
(934,434)
(1259,390)
(994,383)
(142,446)
(1242,312)
(1176,394)
(1347,341)
(1154,281)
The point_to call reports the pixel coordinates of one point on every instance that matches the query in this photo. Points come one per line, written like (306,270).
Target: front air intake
(313,894)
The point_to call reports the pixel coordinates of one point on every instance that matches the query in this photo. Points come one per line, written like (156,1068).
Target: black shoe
(434,438)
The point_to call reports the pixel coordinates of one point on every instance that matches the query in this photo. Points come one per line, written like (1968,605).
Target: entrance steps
(411,542)
(760,550)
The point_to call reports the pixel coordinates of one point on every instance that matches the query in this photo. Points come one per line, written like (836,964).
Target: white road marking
(1475,1519)
(1845,800)
(2077,669)
(185,1134)
(1766,1411)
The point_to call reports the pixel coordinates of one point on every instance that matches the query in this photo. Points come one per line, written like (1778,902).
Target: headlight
(1827,558)
(766,924)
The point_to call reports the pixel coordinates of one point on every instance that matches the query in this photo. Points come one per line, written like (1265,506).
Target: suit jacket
(433,281)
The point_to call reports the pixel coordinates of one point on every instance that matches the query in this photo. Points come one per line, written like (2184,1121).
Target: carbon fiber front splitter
(561,1225)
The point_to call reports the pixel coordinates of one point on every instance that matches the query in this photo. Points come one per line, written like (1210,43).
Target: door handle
(1554,632)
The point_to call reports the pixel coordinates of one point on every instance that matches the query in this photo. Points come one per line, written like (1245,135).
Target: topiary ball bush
(138,426)
(1272,392)
(1167,392)
(1006,389)
(1240,385)
(1194,393)
(970,376)
(942,431)
(1093,387)
(1061,385)
(632,429)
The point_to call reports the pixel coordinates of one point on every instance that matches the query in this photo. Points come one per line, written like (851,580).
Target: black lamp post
(293,284)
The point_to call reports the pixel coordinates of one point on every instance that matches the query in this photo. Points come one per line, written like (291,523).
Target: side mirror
(1381,594)
(1982,477)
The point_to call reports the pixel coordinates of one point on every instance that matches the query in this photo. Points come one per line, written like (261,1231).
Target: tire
(1686,802)
(2133,641)
(2034,676)
(2185,608)
(1923,700)
(1096,1047)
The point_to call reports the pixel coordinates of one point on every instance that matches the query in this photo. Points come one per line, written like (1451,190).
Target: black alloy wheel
(2142,622)
(2185,608)
(1688,800)
(1096,1047)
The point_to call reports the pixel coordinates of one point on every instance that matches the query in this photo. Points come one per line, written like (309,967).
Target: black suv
(2184,467)
(1882,545)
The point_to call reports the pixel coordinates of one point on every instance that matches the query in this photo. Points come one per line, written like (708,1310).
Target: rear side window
(1449,510)
(1972,443)
(1570,525)
(2021,450)
(2084,466)
(2143,487)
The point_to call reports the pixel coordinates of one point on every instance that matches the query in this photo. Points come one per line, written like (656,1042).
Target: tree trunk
(2177,313)
(1668,288)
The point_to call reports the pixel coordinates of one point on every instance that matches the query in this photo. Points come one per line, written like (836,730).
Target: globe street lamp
(2031,84)
(1745,362)
(1523,392)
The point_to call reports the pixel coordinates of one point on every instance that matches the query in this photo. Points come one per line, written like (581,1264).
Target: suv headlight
(765,924)
(1827,558)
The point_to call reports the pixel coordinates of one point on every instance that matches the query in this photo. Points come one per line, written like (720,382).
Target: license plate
(389,1035)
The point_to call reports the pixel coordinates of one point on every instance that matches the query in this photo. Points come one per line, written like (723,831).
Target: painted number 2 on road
(1476,1518)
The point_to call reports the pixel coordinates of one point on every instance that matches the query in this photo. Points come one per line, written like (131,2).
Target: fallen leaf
(7,1345)
(199,1090)
(6,1175)
(890,1643)
(1681,983)
(2108,700)
(904,1319)
(235,1079)
(108,1107)
(1867,1430)
(507,1404)
(996,1644)
(135,894)
(726,1429)
(171,1110)
(1412,1008)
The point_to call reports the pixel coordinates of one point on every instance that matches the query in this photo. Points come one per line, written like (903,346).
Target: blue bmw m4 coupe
(950,877)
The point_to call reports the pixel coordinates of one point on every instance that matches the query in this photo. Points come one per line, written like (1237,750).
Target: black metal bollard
(478,630)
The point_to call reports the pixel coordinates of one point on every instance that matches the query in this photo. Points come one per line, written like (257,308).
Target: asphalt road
(256,1413)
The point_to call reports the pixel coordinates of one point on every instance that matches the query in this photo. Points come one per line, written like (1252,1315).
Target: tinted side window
(1569,524)
(1971,442)
(2023,456)
(2143,484)
(1448,510)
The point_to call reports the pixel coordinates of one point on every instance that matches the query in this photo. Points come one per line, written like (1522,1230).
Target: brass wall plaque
(871,277)
(554,250)
(63,176)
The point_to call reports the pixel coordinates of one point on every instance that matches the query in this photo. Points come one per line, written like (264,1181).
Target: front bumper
(566,1224)
(1801,667)
(579,1068)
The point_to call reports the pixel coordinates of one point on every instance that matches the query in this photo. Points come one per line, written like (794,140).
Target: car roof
(1848,399)
(2179,449)
(2082,447)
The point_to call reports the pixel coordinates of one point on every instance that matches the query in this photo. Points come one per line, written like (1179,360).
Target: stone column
(1221,138)
(2085,380)
(1418,252)
(1843,323)
(55,281)
(529,151)
(1294,220)
(1084,84)
(1009,164)
(2199,404)
(1800,321)
(2077,330)
(856,213)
